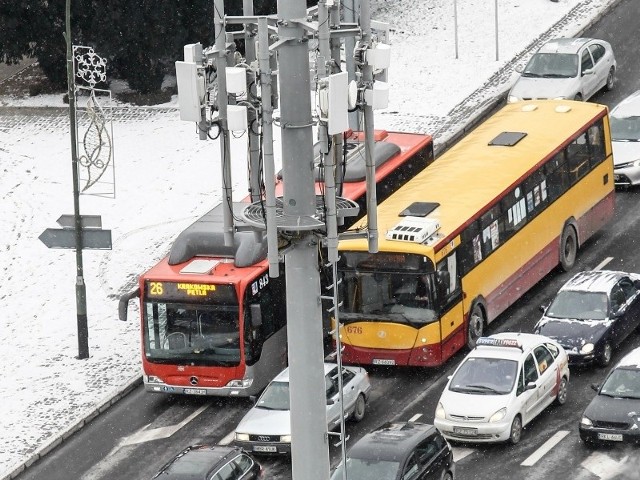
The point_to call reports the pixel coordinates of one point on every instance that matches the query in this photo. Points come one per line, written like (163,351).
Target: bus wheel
(568,248)
(476,325)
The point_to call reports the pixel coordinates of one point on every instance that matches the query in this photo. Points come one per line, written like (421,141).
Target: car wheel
(447,476)
(476,325)
(568,248)
(561,398)
(359,408)
(516,430)
(611,79)
(578,97)
(605,357)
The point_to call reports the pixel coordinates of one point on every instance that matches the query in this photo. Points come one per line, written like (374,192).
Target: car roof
(629,107)
(391,441)
(283,376)
(200,460)
(631,359)
(564,45)
(507,345)
(593,281)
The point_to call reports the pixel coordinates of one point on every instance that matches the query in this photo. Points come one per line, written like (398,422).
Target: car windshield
(625,129)
(275,397)
(622,382)
(552,65)
(359,469)
(485,376)
(579,305)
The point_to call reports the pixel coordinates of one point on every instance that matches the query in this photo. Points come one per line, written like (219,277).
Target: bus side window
(578,156)
(596,135)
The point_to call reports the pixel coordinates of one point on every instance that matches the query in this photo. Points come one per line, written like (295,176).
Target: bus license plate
(384,361)
(265,448)
(471,432)
(614,437)
(195,391)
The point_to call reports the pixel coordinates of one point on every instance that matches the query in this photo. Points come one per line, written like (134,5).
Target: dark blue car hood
(613,409)
(572,333)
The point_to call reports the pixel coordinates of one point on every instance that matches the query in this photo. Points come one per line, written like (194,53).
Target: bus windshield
(190,333)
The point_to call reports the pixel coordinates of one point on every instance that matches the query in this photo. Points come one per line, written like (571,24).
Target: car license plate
(195,391)
(384,361)
(472,432)
(265,448)
(614,437)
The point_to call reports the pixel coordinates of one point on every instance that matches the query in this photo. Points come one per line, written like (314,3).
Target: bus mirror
(256,314)
(123,304)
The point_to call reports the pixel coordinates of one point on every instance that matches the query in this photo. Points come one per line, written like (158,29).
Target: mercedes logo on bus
(193,380)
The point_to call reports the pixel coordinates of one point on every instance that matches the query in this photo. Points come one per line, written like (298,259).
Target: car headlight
(586,422)
(586,348)
(499,415)
(242,437)
(285,438)
(440,413)
(244,383)
(635,163)
(512,98)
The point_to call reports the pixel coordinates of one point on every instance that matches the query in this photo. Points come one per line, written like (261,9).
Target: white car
(502,384)
(625,134)
(266,428)
(566,68)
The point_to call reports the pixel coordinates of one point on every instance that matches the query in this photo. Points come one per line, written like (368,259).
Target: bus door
(449,299)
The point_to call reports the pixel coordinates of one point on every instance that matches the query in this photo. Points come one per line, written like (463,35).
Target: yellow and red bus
(212,320)
(468,236)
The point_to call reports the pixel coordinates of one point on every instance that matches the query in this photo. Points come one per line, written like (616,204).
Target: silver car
(266,428)
(625,133)
(571,68)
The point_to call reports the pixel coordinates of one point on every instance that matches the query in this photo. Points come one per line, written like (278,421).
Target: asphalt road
(117,444)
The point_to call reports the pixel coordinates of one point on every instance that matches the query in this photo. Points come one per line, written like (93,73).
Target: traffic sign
(86,221)
(96,239)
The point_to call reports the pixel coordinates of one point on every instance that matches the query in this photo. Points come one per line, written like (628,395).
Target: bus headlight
(512,98)
(440,413)
(285,438)
(586,422)
(153,379)
(586,348)
(242,437)
(244,383)
(499,415)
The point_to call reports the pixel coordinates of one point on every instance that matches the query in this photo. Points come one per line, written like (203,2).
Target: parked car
(503,383)
(211,462)
(571,68)
(614,413)
(266,428)
(395,451)
(592,314)
(625,134)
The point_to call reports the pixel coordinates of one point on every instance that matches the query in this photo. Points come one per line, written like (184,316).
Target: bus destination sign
(191,292)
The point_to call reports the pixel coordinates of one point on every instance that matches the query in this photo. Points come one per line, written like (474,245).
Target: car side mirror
(253,399)
(595,387)
(543,308)
(588,71)
(531,386)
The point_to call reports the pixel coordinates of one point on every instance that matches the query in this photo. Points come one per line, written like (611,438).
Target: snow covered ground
(166,178)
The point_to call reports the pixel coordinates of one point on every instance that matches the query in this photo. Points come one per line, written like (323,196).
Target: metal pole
(350,9)
(81,291)
(455,24)
(309,447)
(225,150)
(367,77)
(267,129)
(254,140)
(338,140)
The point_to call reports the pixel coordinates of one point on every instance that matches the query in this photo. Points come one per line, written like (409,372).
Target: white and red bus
(212,320)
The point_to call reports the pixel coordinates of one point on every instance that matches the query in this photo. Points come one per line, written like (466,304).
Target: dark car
(211,462)
(614,413)
(592,314)
(410,450)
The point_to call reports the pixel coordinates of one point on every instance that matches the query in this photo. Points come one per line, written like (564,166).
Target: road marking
(603,263)
(544,449)
(603,466)
(460,452)
(415,417)
(145,435)
(228,438)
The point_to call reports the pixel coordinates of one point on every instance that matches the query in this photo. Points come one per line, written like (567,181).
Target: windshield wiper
(483,388)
